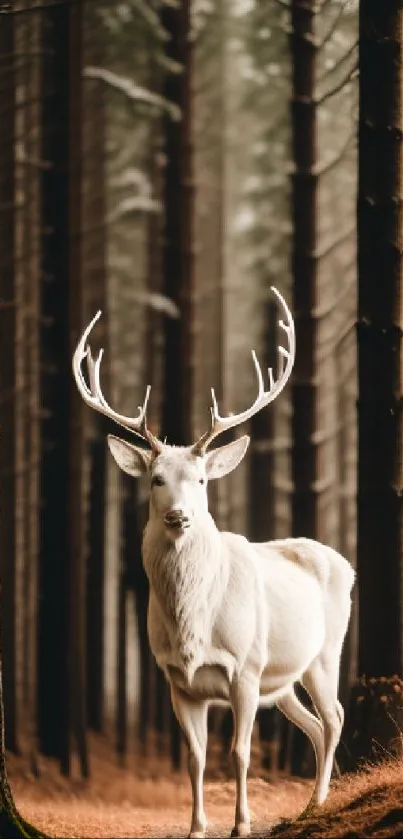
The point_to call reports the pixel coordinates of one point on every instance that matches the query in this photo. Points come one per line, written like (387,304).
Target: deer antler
(94,397)
(287,357)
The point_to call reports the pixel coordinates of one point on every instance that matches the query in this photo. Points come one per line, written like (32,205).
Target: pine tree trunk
(305,389)
(11,823)
(31,76)
(178,251)
(62,622)
(305,274)
(8,491)
(380,329)
(94,246)
(153,376)
(262,516)
(178,265)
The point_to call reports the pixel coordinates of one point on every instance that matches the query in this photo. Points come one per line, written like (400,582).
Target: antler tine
(286,357)
(94,397)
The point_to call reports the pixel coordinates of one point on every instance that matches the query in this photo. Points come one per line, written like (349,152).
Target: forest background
(168,162)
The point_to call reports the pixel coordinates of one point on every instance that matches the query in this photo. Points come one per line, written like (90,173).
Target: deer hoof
(241,829)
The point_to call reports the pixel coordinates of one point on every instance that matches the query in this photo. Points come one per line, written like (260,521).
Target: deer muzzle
(176,519)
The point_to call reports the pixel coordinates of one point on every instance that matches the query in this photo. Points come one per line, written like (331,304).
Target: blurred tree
(323,65)
(178,263)
(211,159)
(62,713)
(380,330)
(336,41)
(305,183)
(212,96)
(27,269)
(158,65)
(94,267)
(11,823)
(178,232)
(267,191)
(8,381)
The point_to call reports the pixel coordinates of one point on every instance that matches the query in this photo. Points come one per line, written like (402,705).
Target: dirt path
(141,802)
(150,801)
(167,814)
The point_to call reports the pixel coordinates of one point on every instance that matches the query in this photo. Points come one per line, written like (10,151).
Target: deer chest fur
(188,580)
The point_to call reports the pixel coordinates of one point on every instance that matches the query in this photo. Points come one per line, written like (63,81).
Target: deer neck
(189,578)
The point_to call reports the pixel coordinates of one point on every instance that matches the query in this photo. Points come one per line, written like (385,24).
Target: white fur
(238,622)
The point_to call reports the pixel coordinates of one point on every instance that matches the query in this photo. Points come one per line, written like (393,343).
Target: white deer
(230,620)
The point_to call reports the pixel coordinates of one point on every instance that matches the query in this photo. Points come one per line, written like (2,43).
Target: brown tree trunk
(153,376)
(305,268)
(11,823)
(178,251)
(262,524)
(62,624)
(8,365)
(95,292)
(305,389)
(31,28)
(380,329)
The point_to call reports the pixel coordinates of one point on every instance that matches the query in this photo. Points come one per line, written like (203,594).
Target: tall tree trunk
(30,425)
(11,823)
(380,420)
(8,365)
(305,390)
(262,525)
(153,376)
(62,649)
(95,288)
(178,251)
(220,489)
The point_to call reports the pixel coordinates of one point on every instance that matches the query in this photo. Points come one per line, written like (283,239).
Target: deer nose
(176,518)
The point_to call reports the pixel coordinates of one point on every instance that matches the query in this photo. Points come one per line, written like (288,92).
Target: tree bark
(305,386)
(380,326)
(178,261)
(62,621)
(94,244)
(11,823)
(262,516)
(305,268)
(178,250)
(379,333)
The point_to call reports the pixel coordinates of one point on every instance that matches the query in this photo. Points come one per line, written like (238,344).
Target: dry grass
(367,804)
(148,800)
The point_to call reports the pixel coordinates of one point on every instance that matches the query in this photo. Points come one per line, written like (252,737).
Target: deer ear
(131,459)
(220,462)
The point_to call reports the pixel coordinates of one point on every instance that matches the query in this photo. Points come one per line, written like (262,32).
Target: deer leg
(192,717)
(245,701)
(296,712)
(321,681)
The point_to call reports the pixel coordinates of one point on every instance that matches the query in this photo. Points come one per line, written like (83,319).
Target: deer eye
(157,481)
(202,481)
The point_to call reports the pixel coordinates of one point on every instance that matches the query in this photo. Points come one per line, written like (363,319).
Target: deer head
(179,474)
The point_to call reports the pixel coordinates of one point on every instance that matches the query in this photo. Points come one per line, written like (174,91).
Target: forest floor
(144,802)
